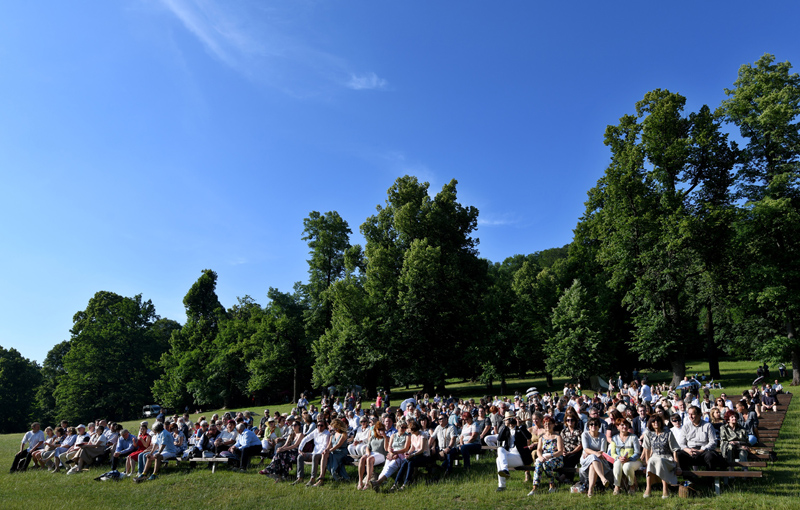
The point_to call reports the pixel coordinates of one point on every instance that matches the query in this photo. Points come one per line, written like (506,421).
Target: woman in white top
(359,444)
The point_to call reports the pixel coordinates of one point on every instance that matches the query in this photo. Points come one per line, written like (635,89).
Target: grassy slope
(200,489)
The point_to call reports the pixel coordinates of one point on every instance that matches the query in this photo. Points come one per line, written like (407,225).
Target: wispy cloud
(259,43)
(368,81)
(496,222)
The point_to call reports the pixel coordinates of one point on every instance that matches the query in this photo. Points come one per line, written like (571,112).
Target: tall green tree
(328,237)
(641,218)
(52,370)
(576,348)
(191,349)
(112,359)
(765,105)
(19,378)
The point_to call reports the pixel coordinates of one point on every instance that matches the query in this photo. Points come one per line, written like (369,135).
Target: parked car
(151,411)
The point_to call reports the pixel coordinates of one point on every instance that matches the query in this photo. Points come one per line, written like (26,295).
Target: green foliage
(191,349)
(19,378)
(112,358)
(577,348)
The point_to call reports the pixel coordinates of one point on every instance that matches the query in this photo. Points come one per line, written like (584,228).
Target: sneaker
(152,477)
(73,470)
(532,492)
(551,490)
(139,479)
(504,473)
(500,489)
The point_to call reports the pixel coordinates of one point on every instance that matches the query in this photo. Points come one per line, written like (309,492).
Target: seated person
(69,455)
(768,403)
(33,439)
(698,444)
(161,449)
(247,445)
(90,450)
(443,443)
(226,437)
(734,439)
(126,444)
(512,450)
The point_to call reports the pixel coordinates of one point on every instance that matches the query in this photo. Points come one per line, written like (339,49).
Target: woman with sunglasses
(285,456)
(571,439)
(593,464)
(661,453)
(395,457)
(549,455)
(374,455)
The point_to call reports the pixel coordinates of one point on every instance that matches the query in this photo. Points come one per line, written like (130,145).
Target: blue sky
(145,140)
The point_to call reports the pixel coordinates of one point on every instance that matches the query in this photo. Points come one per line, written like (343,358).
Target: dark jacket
(521,437)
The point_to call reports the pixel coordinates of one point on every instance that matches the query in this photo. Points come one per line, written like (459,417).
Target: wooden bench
(724,475)
(210,460)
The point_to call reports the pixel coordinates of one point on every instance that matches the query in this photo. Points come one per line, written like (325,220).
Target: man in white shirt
(321,438)
(34,439)
(645,393)
(698,442)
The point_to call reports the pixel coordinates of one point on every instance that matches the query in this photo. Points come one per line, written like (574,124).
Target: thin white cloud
(368,81)
(499,222)
(258,42)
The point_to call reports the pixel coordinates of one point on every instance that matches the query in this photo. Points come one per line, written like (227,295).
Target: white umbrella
(531,389)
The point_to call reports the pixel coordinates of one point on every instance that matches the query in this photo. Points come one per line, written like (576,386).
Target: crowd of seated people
(604,439)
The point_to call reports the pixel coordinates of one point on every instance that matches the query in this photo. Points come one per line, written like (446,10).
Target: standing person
(550,455)
(33,439)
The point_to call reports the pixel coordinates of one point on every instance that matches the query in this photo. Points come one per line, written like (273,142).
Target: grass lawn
(200,489)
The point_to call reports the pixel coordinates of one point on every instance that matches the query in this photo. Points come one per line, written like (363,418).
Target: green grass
(778,489)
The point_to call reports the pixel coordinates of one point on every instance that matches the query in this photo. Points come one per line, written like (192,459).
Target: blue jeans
(468,450)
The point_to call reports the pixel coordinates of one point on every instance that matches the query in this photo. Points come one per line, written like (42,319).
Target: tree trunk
(294,385)
(711,346)
(503,384)
(678,364)
(549,377)
(795,354)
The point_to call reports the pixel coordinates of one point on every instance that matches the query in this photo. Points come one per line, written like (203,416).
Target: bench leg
(717,487)
(213,466)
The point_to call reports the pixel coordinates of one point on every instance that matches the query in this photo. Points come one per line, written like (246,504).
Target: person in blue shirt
(126,444)
(163,448)
(247,444)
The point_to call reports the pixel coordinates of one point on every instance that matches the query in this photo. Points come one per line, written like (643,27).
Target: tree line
(687,249)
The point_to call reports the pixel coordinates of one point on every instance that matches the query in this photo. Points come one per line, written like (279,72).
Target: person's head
(715,414)
(322,425)
(548,423)
(35,426)
(339,426)
(679,405)
(82,429)
(594,412)
(593,426)
(125,434)
(624,428)
(297,427)
(731,418)
(615,416)
(414,427)
(240,428)
(571,421)
(641,410)
(387,422)
(741,406)
(157,428)
(695,415)
(379,430)
(467,417)
(675,420)
(173,427)
(655,423)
